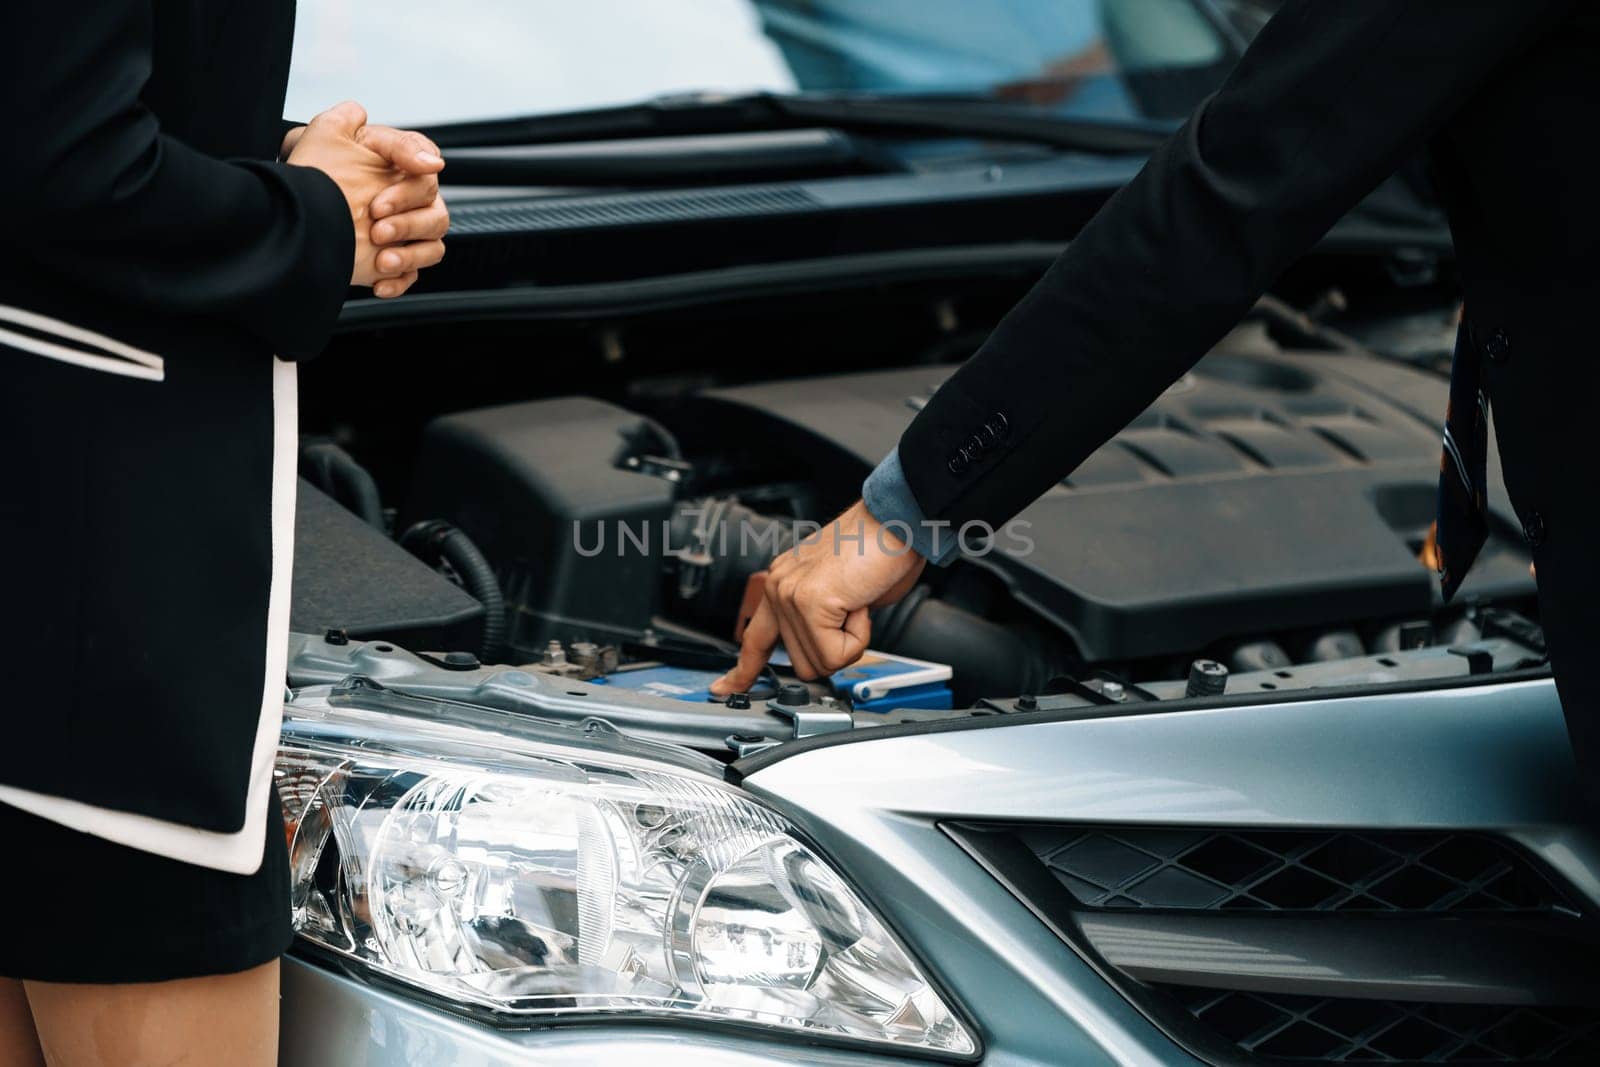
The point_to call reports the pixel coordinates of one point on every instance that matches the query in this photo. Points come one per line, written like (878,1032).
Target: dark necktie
(1462,527)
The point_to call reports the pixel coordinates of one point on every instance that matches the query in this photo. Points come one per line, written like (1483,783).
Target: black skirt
(82,909)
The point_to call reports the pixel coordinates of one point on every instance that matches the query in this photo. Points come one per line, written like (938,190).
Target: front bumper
(1490,758)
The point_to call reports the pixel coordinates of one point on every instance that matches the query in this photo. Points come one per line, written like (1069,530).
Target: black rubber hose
(336,472)
(725,544)
(987,657)
(434,540)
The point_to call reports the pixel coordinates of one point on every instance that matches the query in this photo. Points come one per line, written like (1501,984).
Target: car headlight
(527,877)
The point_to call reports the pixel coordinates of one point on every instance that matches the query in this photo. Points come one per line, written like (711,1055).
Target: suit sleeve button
(1534,529)
(958,463)
(974,447)
(1497,347)
(999,424)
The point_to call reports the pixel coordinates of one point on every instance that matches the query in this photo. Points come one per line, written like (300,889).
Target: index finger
(760,638)
(405,149)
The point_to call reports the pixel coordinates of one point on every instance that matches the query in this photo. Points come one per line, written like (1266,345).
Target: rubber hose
(336,472)
(433,540)
(737,542)
(988,658)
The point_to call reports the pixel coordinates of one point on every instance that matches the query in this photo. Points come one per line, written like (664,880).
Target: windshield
(417,62)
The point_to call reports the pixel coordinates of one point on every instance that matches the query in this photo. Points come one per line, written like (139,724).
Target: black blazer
(156,260)
(1328,100)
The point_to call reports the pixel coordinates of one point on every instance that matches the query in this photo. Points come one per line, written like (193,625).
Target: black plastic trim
(698,160)
(617,300)
(1462,959)
(948,115)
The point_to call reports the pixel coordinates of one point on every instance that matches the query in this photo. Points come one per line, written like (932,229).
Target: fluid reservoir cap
(794,695)
(1207,678)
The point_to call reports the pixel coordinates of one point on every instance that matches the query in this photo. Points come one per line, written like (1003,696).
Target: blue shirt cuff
(888,497)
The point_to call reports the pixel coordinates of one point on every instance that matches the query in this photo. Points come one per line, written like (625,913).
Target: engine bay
(1261,528)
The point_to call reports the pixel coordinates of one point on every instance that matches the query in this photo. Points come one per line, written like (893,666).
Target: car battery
(881,682)
(664,680)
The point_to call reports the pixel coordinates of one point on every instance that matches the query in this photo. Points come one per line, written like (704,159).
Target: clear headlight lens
(527,879)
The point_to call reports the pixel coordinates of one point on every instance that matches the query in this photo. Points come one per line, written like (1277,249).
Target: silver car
(1189,764)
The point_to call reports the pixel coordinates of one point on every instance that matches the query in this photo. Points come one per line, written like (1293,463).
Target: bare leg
(19,1045)
(223,1019)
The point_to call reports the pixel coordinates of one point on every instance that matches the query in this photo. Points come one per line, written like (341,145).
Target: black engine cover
(1269,489)
(543,490)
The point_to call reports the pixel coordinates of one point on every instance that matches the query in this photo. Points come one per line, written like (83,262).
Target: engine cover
(1269,489)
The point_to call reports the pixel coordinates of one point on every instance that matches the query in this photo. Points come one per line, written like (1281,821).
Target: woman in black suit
(162,271)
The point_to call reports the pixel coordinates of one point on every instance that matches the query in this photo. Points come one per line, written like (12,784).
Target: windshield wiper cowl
(705,114)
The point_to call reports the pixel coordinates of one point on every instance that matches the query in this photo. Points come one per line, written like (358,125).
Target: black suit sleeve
(100,196)
(1330,98)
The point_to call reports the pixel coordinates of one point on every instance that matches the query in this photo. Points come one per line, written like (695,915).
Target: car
(1189,763)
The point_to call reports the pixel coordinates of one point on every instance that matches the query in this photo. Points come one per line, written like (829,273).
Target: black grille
(580,213)
(1274,1027)
(1285,946)
(1291,871)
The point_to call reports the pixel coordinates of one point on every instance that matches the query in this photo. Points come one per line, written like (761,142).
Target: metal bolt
(1207,678)
(461,661)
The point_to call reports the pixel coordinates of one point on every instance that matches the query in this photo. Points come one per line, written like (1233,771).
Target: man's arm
(1324,105)
(1329,99)
(102,197)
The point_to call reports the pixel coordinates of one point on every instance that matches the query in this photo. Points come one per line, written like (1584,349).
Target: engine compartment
(1271,491)
(1266,514)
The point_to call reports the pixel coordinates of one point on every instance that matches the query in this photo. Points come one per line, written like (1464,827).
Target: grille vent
(582,213)
(1278,946)
(1324,871)
(1291,1029)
